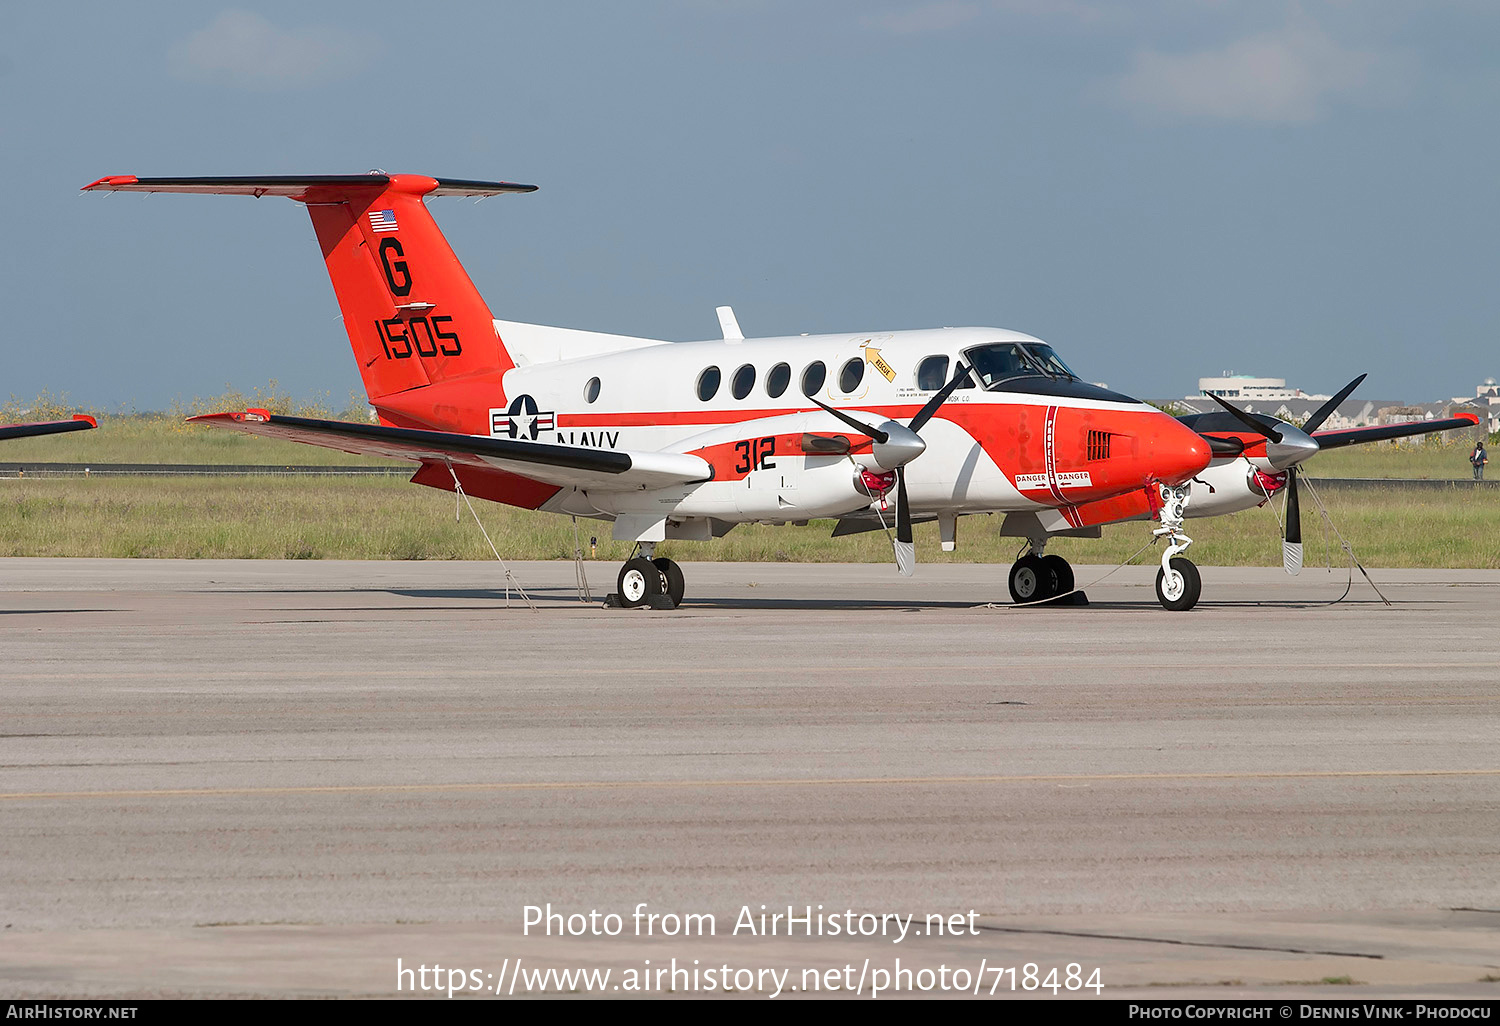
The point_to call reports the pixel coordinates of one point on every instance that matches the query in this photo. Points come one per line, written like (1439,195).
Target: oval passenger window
(744,381)
(708,384)
(813,376)
(852,374)
(777,379)
(591,390)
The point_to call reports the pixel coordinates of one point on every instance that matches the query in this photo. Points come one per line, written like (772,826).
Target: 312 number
(753,453)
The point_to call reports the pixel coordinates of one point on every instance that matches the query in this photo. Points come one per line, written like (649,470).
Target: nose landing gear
(1178,584)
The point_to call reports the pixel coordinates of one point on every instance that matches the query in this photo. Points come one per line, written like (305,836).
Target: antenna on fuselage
(728,324)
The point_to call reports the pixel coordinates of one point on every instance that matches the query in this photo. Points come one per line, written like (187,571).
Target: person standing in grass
(1479,458)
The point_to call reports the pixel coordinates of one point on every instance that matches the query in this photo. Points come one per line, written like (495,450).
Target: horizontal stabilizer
(297,187)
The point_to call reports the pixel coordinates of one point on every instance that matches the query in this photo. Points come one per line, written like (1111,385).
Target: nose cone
(901,447)
(1295,446)
(1178,453)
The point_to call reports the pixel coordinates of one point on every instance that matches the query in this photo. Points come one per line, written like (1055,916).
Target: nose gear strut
(1178,583)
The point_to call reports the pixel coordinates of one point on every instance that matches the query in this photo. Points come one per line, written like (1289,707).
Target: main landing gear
(1036,578)
(1178,583)
(644,581)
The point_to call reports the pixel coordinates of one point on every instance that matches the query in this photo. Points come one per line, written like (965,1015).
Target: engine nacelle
(1227,486)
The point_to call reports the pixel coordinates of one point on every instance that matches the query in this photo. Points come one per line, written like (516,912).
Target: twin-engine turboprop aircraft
(80,422)
(687,440)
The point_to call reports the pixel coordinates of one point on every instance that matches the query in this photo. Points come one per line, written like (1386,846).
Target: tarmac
(268,778)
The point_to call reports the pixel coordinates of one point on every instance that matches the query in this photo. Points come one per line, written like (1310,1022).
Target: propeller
(1286,447)
(896,445)
(906,549)
(1245,418)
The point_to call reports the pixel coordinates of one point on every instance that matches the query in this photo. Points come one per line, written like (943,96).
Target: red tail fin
(413,316)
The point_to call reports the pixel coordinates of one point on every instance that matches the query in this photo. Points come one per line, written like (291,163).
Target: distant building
(1243,386)
(1348,414)
(1486,398)
(1271,396)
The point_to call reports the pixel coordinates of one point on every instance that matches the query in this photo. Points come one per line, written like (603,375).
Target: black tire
(1032,580)
(673,585)
(639,580)
(1062,573)
(1191,585)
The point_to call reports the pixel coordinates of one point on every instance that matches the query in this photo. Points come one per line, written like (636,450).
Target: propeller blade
(1321,414)
(926,412)
(1291,546)
(906,550)
(860,426)
(1247,420)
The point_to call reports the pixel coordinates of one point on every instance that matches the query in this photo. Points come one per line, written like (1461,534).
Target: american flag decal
(382,221)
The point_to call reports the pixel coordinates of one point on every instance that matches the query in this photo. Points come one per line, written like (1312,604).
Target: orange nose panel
(1176,452)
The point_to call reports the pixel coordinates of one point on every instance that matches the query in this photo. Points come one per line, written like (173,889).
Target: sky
(1162,189)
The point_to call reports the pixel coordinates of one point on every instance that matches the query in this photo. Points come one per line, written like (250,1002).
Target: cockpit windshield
(1004,361)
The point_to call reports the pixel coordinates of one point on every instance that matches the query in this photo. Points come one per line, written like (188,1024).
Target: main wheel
(1062,573)
(1032,579)
(639,580)
(673,584)
(1179,589)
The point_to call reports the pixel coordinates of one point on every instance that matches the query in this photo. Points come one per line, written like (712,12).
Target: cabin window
(777,379)
(591,390)
(932,373)
(852,374)
(743,382)
(813,377)
(708,383)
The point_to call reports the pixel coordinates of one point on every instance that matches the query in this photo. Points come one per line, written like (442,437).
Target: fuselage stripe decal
(1049,451)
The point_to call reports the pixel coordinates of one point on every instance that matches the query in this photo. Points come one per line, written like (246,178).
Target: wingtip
(110,182)
(253,416)
(86,419)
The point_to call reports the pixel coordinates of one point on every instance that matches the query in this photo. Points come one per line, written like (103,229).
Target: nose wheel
(1178,585)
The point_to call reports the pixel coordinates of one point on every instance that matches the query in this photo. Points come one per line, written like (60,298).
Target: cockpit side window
(932,373)
(1049,361)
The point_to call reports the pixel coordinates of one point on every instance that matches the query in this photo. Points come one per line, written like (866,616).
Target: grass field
(384,518)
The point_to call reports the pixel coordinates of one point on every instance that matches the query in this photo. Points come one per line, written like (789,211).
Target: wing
(561,465)
(1381,432)
(80,422)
